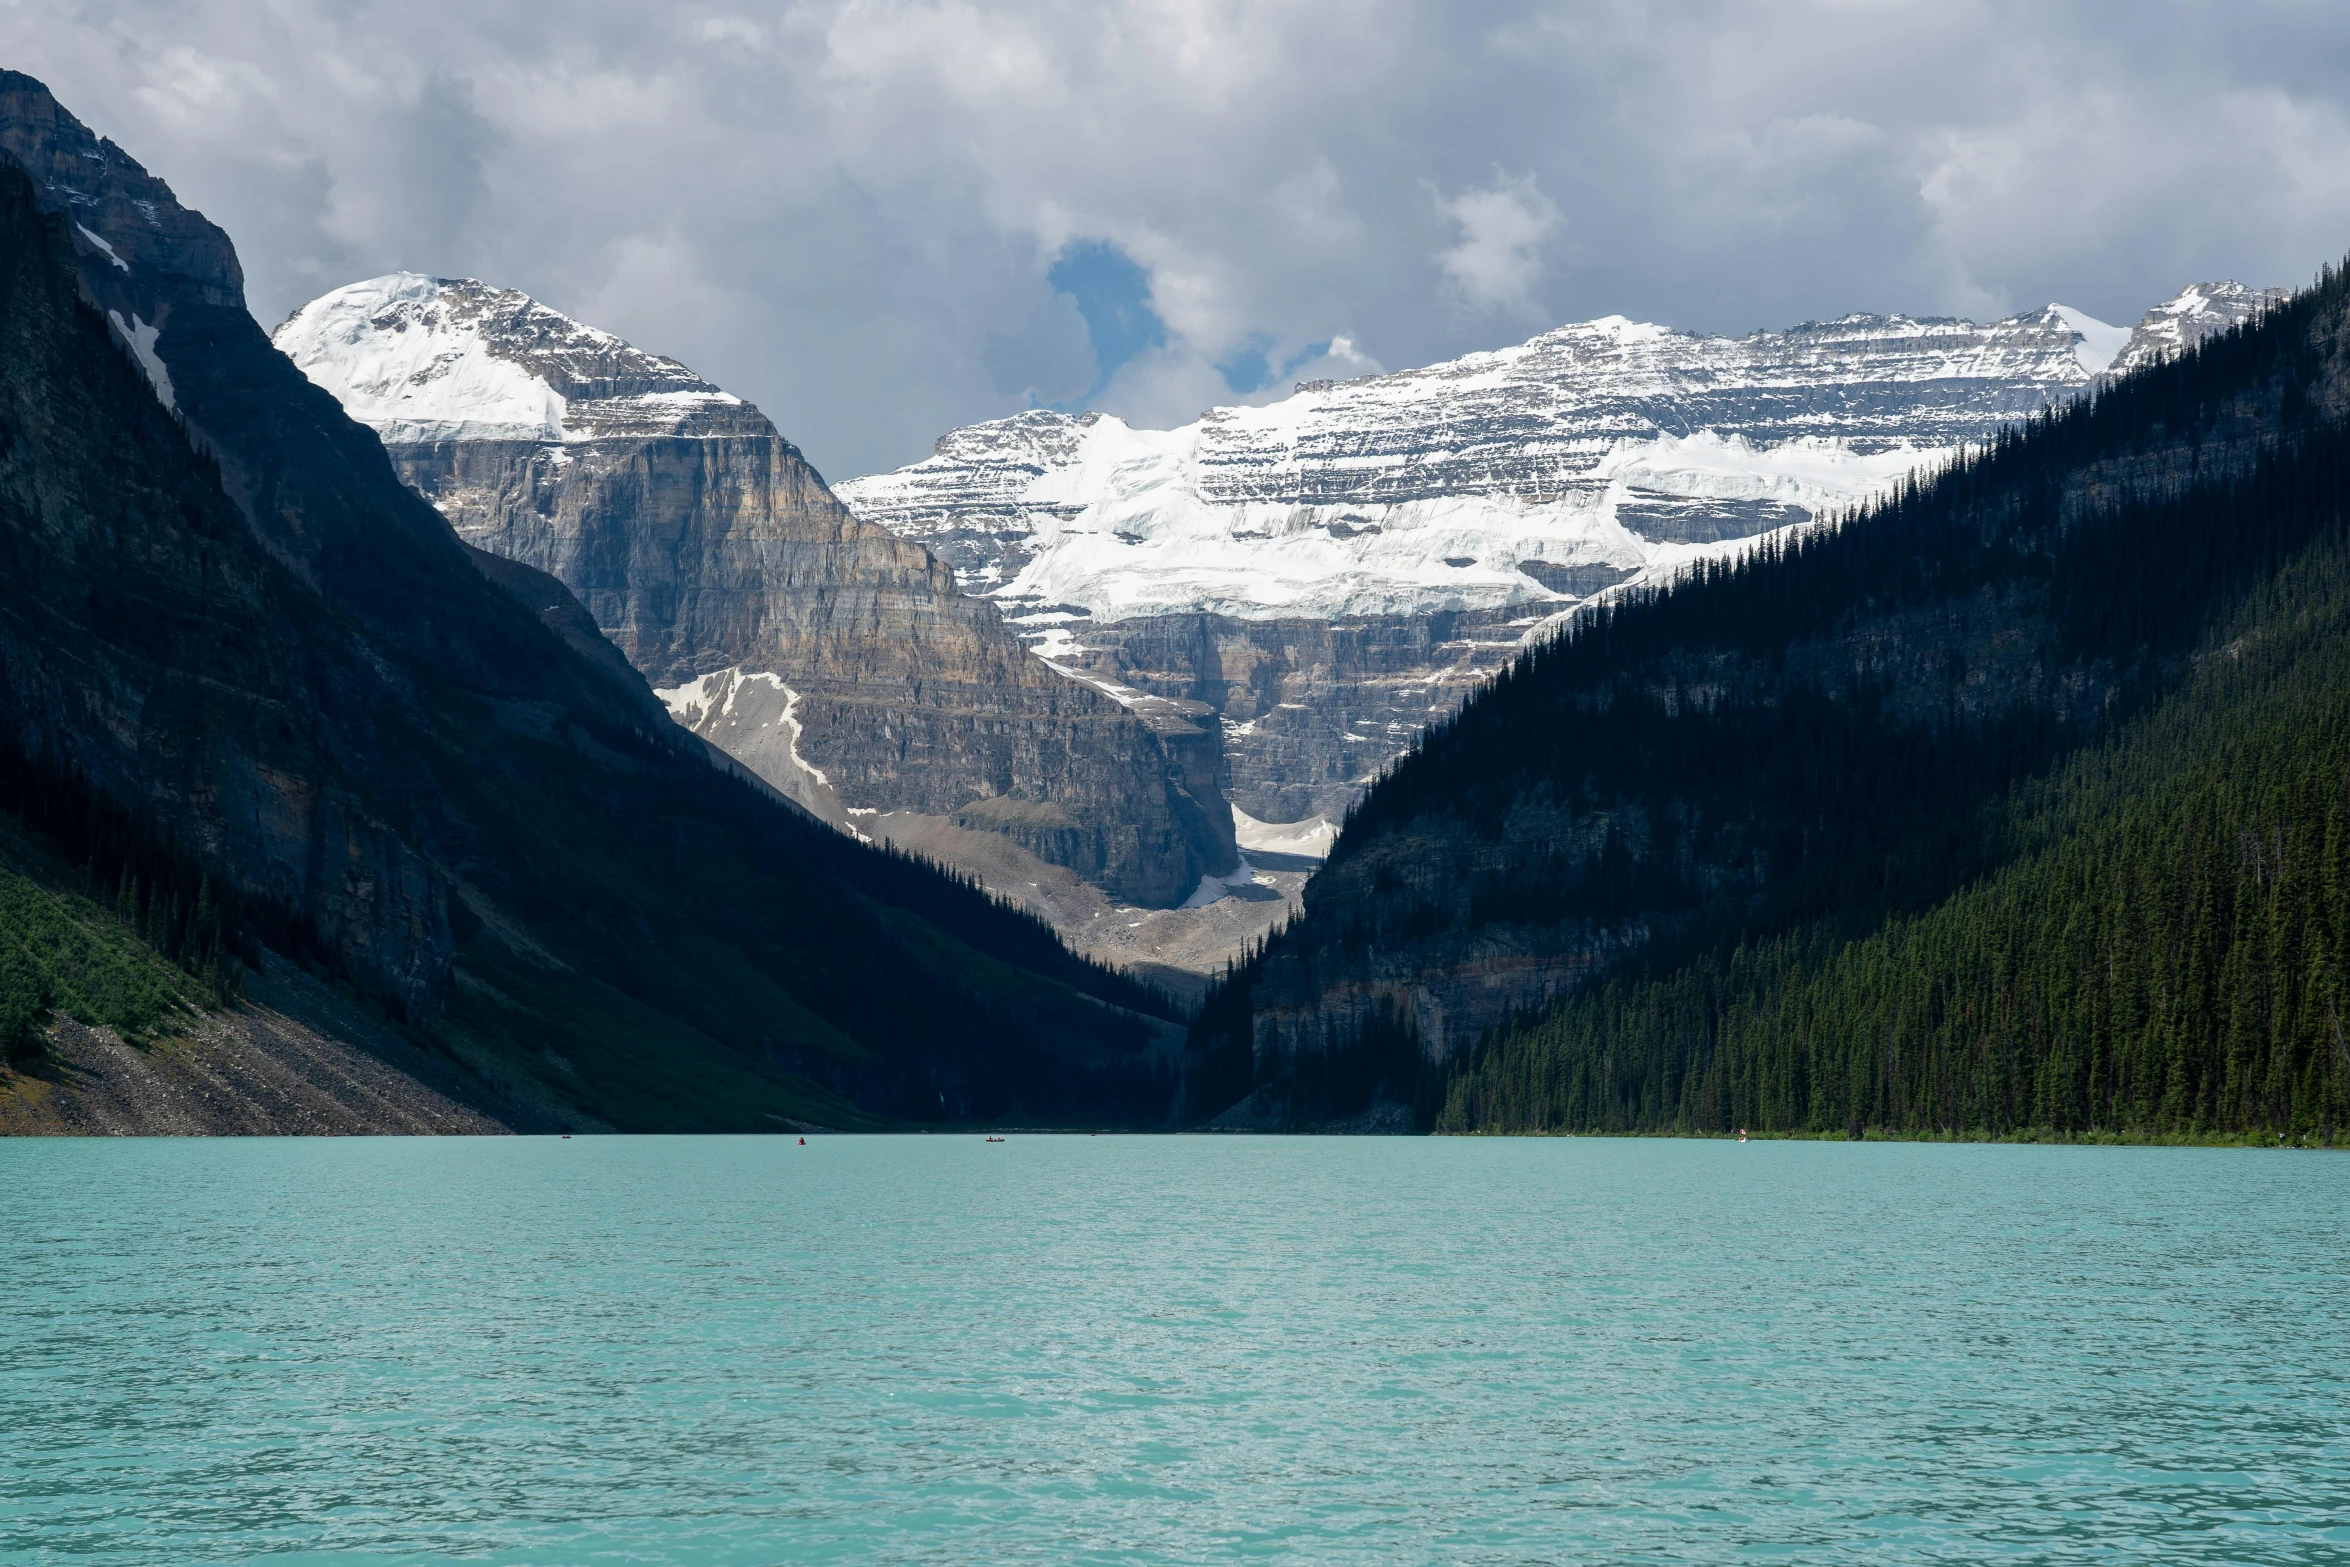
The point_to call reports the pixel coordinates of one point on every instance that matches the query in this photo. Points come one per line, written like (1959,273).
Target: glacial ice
(1607,450)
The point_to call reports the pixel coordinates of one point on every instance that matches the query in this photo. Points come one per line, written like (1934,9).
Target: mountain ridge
(226,614)
(1805,743)
(1545,443)
(706,548)
(1333,572)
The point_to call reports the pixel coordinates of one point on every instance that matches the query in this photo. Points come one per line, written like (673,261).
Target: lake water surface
(930,1349)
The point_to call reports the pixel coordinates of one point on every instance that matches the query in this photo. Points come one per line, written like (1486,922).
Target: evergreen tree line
(2132,577)
(2167,954)
(1765,812)
(1374,1060)
(133,868)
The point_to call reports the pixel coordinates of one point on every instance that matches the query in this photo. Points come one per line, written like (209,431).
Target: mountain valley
(836,660)
(443,715)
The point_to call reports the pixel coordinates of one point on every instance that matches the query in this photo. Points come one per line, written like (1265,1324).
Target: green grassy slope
(67,948)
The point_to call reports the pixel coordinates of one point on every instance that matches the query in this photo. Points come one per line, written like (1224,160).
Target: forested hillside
(2162,950)
(1819,840)
(104,923)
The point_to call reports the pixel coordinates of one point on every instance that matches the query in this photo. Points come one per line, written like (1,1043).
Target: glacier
(1592,454)
(1332,571)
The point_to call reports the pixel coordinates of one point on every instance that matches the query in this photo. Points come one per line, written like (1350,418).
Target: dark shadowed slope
(1774,762)
(2158,950)
(225,612)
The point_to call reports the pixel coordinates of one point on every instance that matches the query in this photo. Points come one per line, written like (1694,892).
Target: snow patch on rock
(1310,838)
(139,336)
(1531,475)
(697,703)
(107,250)
(1214,889)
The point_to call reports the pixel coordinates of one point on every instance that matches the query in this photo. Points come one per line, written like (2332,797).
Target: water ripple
(1129,1350)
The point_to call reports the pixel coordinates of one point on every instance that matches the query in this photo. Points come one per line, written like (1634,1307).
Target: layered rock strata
(1311,710)
(1731,765)
(1333,571)
(835,658)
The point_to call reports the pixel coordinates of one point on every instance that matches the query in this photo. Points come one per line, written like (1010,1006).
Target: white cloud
(1164,387)
(1498,260)
(1174,385)
(845,210)
(1341,360)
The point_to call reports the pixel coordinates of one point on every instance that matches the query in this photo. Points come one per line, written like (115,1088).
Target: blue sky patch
(1113,294)
(1250,370)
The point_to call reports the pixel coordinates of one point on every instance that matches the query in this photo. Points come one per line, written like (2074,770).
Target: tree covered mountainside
(254,693)
(2015,803)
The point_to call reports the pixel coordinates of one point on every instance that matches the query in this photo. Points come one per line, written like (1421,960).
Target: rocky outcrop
(1311,710)
(1326,571)
(2195,315)
(856,677)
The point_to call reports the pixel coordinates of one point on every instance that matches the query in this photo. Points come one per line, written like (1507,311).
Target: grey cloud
(845,209)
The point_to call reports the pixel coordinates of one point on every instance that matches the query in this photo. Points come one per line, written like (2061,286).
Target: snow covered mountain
(1332,570)
(2199,311)
(1520,476)
(423,360)
(835,659)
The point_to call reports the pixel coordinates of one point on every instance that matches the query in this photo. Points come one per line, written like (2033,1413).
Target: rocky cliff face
(1311,709)
(191,692)
(1328,572)
(220,604)
(834,657)
(2197,314)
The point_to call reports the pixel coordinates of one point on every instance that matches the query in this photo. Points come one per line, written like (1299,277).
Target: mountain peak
(2099,343)
(2197,312)
(124,215)
(434,359)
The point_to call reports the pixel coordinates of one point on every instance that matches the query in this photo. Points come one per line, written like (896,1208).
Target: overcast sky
(880,220)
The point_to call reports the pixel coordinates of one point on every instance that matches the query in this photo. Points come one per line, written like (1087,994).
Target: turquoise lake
(1081,1349)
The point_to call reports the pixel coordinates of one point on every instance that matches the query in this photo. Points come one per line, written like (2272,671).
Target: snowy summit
(1535,475)
(421,359)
